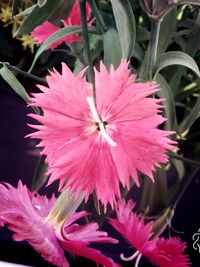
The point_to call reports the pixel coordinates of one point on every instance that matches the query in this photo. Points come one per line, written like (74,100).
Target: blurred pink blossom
(94,147)
(162,252)
(42,32)
(28,215)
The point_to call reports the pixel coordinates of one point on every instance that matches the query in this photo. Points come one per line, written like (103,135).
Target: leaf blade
(125,21)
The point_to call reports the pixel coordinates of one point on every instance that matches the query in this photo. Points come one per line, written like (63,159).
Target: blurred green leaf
(169,105)
(190,47)
(15,7)
(181,58)
(190,118)
(158,196)
(14,83)
(65,205)
(167,29)
(125,21)
(41,2)
(175,58)
(112,48)
(179,165)
(37,16)
(190,2)
(40,176)
(66,31)
(142,34)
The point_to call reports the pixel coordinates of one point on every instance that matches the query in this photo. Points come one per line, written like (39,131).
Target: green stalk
(88,62)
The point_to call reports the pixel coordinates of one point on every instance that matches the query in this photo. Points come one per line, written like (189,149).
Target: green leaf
(190,2)
(14,83)
(41,2)
(190,47)
(158,195)
(170,110)
(40,176)
(175,58)
(15,5)
(125,22)
(112,48)
(178,164)
(142,34)
(38,16)
(167,29)
(181,58)
(66,31)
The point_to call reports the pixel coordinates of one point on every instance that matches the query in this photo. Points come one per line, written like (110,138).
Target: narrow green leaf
(167,29)
(41,2)
(65,205)
(193,40)
(142,34)
(125,21)
(175,58)
(38,16)
(40,176)
(158,196)
(189,2)
(170,110)
(14,83)
(15,5)
(112,48)
(179,165)
(66,31)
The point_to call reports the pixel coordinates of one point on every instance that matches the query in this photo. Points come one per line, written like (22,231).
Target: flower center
(101,125)
(104,124)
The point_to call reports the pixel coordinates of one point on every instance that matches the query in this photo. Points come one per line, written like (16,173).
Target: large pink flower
(163,252)
(29,216)
(42,32)
(96,147)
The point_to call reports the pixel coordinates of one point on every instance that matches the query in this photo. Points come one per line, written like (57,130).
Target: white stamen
(132,257)
(106,136)
(101,124)
(93,109)
(138,260)
(38,207)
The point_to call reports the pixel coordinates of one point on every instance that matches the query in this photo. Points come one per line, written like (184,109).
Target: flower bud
(158,8)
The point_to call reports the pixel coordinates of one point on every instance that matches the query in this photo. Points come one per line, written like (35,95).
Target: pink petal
(23,211)
(79,248)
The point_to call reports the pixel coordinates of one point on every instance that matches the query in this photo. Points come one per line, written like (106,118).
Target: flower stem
(88,62)
(28,75)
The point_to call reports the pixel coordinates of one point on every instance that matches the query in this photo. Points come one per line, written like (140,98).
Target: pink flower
(96,147)
(42,32)
(163,252)
(30,216)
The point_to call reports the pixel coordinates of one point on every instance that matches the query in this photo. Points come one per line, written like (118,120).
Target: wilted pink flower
(163,252)
(29,216)
(42,32)
(96,147)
